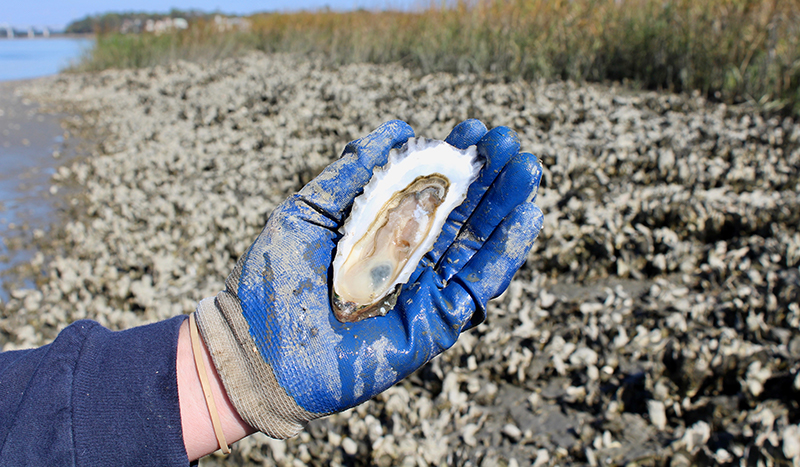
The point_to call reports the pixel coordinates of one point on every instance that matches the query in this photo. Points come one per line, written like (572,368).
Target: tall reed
(731,50)
(198,43)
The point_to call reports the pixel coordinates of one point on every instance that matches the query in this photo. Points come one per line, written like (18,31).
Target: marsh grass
(198,43)
(729,50)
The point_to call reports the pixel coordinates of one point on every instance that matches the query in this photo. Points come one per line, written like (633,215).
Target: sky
(59,13)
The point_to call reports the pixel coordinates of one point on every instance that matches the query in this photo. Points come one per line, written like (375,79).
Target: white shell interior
(364,272)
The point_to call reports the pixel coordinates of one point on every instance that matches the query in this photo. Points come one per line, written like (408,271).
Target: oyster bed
(655,322)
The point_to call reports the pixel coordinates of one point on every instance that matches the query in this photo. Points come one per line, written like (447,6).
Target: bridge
(9,32)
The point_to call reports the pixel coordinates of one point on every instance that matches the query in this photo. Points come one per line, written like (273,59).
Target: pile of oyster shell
(655,322)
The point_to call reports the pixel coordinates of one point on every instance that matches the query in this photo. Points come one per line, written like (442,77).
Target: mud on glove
(282,355)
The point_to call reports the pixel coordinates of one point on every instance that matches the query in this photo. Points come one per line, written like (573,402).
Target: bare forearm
(198,432)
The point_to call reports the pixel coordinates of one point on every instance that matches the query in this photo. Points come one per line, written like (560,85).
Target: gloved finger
(517,183)
(491,268)
(333,191)
(466,133)
(497,146)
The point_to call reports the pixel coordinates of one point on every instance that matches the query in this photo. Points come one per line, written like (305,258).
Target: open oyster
(395,221)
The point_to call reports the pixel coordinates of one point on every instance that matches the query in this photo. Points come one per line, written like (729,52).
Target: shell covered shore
(654,323)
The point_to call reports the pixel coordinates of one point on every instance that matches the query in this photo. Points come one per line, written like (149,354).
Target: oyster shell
(395,221)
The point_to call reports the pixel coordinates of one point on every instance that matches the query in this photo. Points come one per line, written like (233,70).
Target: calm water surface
(32,146)
(31,58)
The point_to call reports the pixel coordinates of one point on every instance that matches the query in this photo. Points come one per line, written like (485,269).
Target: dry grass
(731,50)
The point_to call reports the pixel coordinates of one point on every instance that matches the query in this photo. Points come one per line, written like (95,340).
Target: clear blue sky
(58,13)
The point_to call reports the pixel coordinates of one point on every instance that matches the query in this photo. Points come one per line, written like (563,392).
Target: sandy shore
(655,322)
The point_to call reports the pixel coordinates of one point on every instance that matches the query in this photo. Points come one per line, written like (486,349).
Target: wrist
(251,385)
(198,430)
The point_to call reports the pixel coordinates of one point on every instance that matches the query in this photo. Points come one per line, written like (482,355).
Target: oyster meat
(395,221)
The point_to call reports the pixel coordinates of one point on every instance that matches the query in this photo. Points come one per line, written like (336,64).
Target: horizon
(57,15)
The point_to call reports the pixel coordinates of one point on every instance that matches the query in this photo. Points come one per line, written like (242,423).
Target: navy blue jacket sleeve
(93,397)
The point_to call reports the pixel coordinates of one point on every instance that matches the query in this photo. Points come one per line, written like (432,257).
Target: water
(32,147)
(32,58)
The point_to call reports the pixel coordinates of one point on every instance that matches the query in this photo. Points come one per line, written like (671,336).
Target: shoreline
(53,36)
(655,320)
(33,204)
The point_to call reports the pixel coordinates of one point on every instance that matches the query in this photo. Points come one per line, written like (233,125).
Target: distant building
(224,23)
(131,26)
(163,25)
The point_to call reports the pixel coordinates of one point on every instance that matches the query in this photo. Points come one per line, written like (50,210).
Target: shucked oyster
(395,222)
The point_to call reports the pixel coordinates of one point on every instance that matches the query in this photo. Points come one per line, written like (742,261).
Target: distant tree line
(118,22)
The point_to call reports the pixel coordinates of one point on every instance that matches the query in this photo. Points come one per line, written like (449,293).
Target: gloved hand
(282,355)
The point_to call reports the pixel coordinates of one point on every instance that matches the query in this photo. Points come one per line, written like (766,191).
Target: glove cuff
(248,379)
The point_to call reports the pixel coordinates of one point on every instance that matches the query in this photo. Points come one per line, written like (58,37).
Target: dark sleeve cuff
(94,397)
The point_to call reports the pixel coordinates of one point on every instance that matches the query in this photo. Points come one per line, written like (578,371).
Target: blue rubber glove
(282,355)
